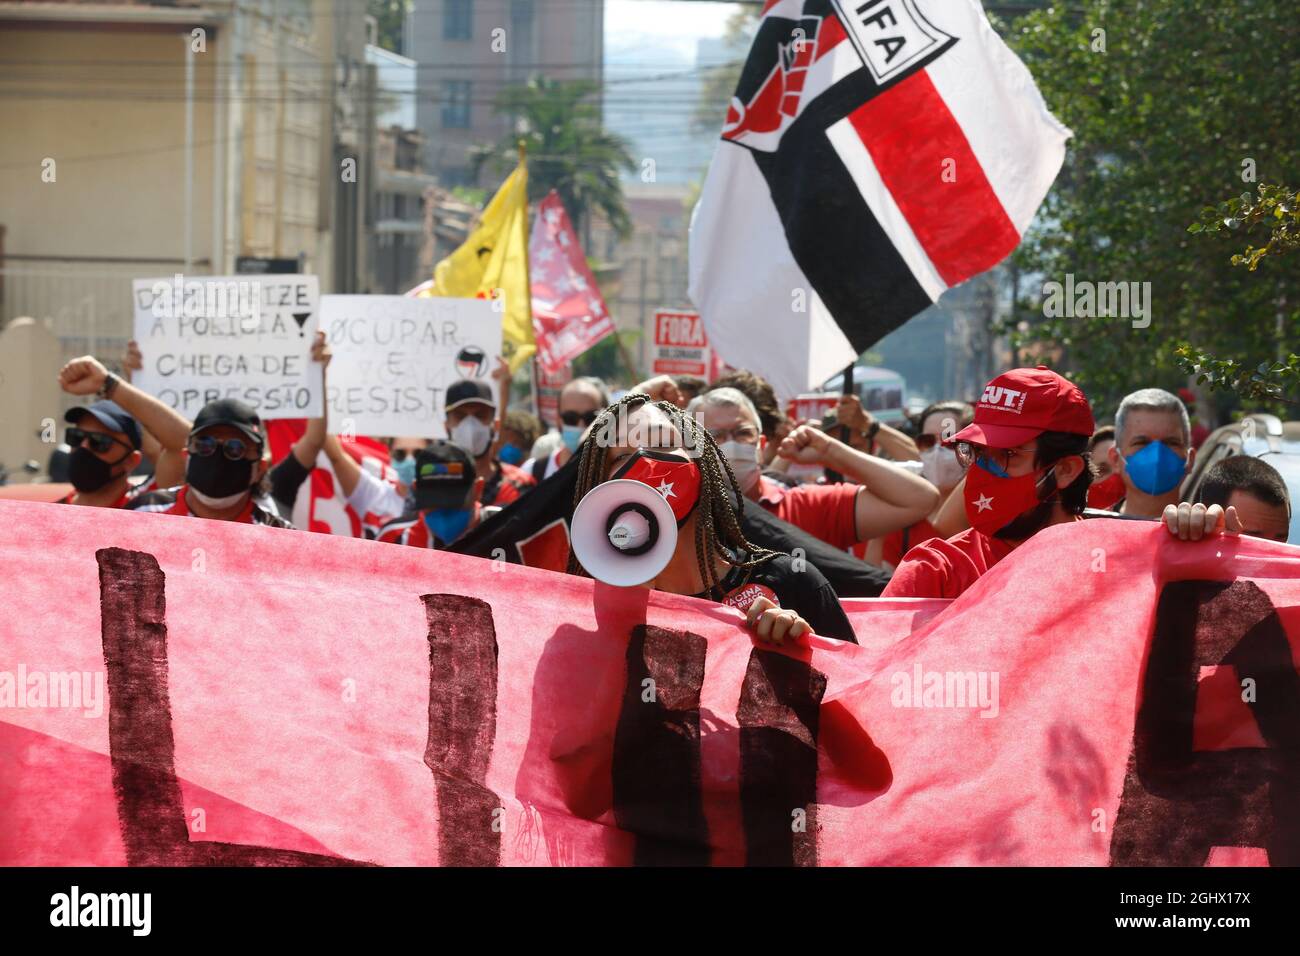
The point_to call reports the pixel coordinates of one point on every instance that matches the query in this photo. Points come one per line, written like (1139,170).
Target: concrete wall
(108,107)
(30,358)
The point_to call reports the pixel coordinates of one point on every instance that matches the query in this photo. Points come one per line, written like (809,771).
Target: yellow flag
(493,264)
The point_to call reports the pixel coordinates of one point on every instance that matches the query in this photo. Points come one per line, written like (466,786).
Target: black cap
(444,474)
(467,390)
(111,415)
(232,412)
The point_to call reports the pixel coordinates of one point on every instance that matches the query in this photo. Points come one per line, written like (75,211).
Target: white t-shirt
(373,495)
(552,465)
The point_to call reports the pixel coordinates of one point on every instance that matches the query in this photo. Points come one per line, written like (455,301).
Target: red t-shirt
(828,512)
(895,545)
(944,569)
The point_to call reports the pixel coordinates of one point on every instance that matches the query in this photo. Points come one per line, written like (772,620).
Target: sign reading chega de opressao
(680,345)
(203,338)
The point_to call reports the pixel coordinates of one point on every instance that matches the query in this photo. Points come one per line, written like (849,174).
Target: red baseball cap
(1021,404)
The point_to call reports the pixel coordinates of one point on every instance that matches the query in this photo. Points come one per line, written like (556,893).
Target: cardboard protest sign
(394,357)
(208,337)
(212,693)
(680,346)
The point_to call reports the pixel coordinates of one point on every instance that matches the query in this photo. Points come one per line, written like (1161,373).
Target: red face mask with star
(674,476)
(992,501)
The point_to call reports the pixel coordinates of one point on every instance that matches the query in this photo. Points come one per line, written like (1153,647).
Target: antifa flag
(216,694)
(535,531)
(875,153)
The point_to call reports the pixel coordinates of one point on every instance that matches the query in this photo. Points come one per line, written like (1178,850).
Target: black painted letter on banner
(779,710)
(462,728)
(142,749)
(1179,803)
(657,749)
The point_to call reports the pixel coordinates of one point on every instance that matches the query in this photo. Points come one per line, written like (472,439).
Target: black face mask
(217,476)
(87,471)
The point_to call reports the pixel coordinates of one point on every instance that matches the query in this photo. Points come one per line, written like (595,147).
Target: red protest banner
(680,346)
(569,314)
(211,693)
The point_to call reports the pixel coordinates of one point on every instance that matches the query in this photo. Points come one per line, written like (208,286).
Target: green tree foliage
(390,15)
(1274,211)
(569,150)
(1169,100)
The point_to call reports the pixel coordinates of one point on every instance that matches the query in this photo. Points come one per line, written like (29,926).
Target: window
(455,104)
(457,20)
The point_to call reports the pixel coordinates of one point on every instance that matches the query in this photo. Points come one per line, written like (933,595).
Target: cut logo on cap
(1003,399)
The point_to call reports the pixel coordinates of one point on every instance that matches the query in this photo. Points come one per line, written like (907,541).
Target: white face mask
(472,435)
(743,459)
(940,467)
(216,504)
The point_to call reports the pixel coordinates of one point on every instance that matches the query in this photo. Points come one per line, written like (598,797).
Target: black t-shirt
(804,591)
(286,477)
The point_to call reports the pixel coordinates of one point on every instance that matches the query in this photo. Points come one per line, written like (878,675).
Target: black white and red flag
(876,153)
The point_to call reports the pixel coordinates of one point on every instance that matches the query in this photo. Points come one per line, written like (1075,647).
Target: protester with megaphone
(690,541)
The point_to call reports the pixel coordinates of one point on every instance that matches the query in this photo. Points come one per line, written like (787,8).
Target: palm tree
(569,150)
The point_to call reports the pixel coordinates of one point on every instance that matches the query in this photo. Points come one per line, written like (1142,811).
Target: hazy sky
(676,23)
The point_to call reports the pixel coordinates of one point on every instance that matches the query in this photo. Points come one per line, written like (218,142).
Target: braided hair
(717,525)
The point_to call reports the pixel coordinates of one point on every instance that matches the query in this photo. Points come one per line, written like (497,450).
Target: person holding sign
(447,492)
(100,466)
(228,458)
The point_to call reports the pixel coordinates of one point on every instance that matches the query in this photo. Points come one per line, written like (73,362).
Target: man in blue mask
(446,492)
(1152,451)
(580,402)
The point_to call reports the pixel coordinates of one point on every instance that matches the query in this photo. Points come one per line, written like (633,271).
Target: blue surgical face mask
(572,435)
(511,454)
(448,524)
(405,470)
(1156,469)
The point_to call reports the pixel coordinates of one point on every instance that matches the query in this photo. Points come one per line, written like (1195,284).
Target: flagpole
(528,277)
(834,476)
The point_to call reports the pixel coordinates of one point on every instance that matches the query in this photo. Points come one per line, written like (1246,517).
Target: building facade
(152,138)
(468,51)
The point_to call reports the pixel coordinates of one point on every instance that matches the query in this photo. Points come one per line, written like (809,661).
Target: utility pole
(189,153)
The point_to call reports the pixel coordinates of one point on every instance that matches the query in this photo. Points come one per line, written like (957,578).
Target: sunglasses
(98,441)
(578,418)
(996,461)
(926,442)
(235,449)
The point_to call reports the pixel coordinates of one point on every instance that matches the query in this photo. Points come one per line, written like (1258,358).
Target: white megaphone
(623,532)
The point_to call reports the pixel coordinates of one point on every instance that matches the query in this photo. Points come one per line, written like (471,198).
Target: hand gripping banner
(183,692)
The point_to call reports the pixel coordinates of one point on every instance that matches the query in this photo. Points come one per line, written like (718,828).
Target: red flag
(569,315)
